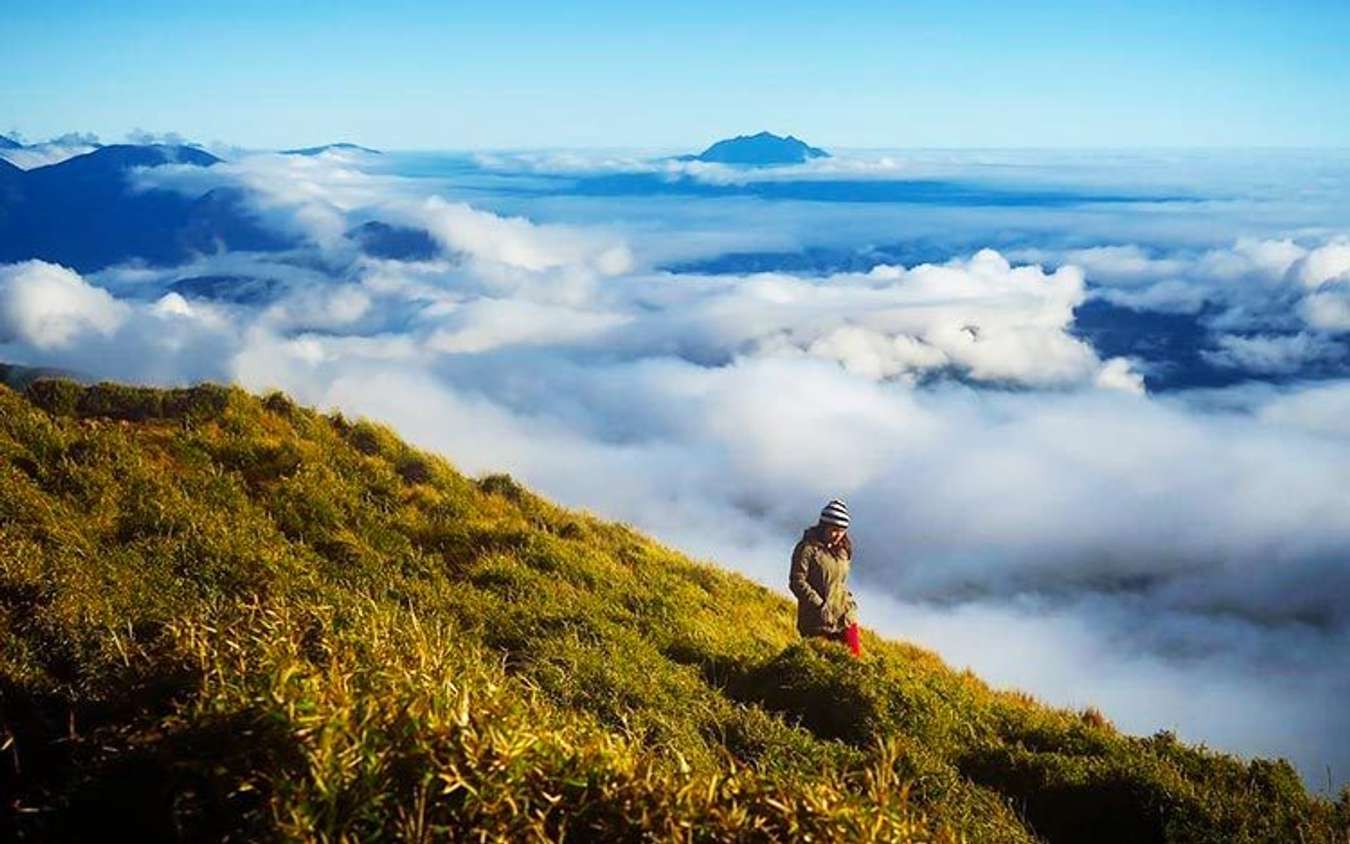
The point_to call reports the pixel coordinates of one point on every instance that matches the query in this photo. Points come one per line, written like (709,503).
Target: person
(819,579)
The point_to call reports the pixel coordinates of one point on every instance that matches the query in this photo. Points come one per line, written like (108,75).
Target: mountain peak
(124,156)
(319,150)
(760,150)
(9,143)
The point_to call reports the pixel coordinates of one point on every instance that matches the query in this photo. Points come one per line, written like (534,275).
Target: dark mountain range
(7,143)
(764,149)
(326,147)
(83,213)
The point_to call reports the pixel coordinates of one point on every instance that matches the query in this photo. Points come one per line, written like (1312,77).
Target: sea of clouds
(1022,504)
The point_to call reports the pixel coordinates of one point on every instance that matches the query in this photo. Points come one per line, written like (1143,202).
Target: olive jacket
(819,579)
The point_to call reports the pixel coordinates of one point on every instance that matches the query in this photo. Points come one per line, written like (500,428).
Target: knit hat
(835,513)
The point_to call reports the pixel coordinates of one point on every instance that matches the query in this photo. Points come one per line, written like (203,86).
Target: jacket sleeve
(797,582)
(851,613)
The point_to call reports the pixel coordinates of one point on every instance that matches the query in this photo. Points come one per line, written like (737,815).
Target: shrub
(56,396)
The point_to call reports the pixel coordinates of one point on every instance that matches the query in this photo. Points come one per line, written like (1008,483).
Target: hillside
(231,617)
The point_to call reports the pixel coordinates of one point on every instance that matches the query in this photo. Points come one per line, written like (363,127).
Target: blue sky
(861,74)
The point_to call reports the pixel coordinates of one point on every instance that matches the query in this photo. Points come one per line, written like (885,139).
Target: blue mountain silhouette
(401,243)
(326,147)
(83,213)
(759,150)
(8,143)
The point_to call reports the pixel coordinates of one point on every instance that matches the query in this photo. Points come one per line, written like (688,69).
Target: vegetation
(226,617)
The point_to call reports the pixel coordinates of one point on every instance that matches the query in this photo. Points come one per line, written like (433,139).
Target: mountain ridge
(341,146)
(231,616)
(89,194)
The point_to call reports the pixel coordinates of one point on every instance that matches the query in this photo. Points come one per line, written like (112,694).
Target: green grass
(229,617)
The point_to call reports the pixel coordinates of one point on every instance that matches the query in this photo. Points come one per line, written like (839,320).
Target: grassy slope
(229,616)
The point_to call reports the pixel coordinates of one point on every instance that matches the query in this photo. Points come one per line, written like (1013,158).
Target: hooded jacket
(819,579)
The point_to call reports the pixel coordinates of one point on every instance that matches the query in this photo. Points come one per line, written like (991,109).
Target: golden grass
(234,618)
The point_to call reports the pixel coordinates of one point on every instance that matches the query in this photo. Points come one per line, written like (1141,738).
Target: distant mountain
(326,147)
(18,377)
(11,193)
(382,240)
(237,289)
(83,214)
(32,156)
(114,160)
(762,150)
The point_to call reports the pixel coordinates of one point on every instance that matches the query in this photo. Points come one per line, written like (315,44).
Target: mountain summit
(763,149)
(338,147)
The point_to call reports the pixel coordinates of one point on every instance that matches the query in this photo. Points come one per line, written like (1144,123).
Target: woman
(819,579)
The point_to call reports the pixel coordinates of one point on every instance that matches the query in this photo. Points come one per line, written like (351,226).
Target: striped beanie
(835,513)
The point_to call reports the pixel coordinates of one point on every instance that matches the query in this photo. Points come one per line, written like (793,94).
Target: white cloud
(846,165)
(515,241)
(1328,309)
(308,196)
(1070,527)
(1120,374)
(487,324)
(1324,409)
(50,307)
(51,315)
(41,155)
(1329,262)
(1168,297)
(877,356)
(1259,285)
(1273,354)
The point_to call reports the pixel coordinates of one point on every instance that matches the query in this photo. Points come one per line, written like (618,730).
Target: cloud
(1329,262)
(50,314)
(1328,309)
(1324,409)
(146,138)
(320,198)
(50,307)
(50,152)
(1270,307)
(1273,354)
(515,242)
(488,324)
(306,196)
(1020,503)
(579,163)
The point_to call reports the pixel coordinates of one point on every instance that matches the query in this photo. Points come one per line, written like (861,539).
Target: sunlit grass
(226,616)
